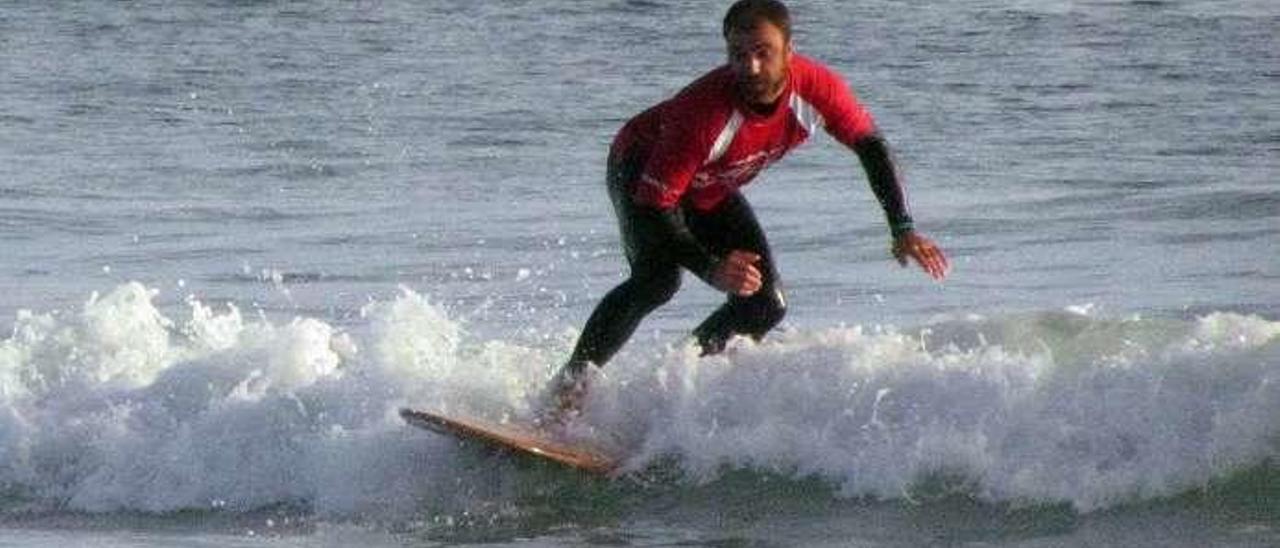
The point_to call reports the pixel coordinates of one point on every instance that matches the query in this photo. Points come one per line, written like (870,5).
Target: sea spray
(417,346)
(118,407)
(1093,424)
(871,411)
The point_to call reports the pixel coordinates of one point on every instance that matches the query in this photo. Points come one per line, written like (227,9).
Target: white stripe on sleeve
(808,116)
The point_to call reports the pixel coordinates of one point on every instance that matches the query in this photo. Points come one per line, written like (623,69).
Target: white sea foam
(119,407)
(1095,413)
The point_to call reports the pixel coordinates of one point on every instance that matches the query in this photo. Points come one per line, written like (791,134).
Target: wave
(118,407)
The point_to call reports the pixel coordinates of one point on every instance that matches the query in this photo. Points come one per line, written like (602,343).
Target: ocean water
(238,236)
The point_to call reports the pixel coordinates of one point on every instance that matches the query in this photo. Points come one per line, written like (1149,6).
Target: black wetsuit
(656,257)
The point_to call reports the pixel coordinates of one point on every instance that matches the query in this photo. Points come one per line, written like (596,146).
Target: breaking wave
(118,407)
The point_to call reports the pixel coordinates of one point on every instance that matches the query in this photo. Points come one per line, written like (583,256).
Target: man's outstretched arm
(882,173)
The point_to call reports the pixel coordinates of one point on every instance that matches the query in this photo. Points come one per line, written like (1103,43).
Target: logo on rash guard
(737,173)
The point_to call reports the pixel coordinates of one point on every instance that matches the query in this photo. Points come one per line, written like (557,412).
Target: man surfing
(674,173)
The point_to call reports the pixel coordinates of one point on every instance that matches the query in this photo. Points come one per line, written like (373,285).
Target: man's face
(760,59)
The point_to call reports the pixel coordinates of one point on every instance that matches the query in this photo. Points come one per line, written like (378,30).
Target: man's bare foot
(565,395)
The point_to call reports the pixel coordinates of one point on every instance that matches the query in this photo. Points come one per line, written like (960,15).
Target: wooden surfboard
(524,439)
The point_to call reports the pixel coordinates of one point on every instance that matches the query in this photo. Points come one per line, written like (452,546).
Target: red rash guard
(704,143)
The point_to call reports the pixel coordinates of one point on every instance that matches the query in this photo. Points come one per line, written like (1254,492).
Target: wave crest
(118,407)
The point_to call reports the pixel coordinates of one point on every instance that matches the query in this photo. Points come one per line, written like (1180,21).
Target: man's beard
(759,91)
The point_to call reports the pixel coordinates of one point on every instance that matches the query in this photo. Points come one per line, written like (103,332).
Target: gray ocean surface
(235,237)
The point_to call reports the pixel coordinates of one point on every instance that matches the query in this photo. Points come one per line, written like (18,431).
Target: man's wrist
(708,273)
(901,228)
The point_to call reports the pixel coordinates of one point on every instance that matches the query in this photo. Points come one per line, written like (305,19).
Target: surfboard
(529,440)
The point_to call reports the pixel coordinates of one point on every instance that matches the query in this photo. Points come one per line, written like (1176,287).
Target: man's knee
(762,312)
(772,309)
(657,287)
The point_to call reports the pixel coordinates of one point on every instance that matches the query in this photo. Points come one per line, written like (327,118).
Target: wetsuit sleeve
(844,117)
(877,160)
(669,228)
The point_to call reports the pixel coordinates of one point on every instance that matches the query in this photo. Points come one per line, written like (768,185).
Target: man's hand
(927,254)
(738,274)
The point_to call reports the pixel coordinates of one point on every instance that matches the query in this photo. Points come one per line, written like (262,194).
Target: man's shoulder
(809,70)
(694,114)
(714,86)
(706,99)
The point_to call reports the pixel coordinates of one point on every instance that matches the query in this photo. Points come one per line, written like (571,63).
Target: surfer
(674,173)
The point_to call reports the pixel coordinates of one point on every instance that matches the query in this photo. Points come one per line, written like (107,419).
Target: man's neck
(764,109)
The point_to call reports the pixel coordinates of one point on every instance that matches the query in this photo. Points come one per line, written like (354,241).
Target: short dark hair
(745,15)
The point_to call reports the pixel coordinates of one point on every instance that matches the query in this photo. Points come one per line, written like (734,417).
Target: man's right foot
(566,394)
